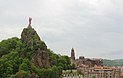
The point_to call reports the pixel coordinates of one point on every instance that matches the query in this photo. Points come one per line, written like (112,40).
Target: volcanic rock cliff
(36,47)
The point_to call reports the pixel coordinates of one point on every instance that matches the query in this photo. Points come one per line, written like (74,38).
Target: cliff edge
(36,48)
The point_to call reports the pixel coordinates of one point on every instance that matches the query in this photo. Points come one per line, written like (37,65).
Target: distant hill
(117,62)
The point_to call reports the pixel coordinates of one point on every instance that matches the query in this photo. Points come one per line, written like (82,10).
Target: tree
(93,76)
(9,64)
(26,66)
(6,46)
(21,74)
(64,61)
(72,66)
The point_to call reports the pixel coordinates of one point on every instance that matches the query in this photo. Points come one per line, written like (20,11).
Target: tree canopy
(15,61)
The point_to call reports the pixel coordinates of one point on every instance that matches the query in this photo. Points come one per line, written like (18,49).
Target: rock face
(37,48)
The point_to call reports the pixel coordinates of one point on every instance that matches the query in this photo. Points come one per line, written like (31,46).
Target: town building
(90,68)
(99,71)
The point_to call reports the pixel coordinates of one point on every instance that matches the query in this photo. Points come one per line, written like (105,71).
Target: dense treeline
(6,46)
(15,62)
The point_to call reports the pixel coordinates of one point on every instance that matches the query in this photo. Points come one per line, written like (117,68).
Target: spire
(30,21)
(72,54)
(72,50)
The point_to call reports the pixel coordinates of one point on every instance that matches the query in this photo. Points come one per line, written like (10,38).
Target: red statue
(30,19)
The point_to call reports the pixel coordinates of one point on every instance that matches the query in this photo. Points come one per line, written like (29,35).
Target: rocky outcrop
(37,48)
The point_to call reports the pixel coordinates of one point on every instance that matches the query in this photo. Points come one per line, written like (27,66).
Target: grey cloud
(92,27)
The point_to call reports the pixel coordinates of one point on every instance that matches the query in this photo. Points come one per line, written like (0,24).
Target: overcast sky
(94,28)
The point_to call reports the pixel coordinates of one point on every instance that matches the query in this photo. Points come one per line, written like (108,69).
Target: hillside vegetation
(29,57)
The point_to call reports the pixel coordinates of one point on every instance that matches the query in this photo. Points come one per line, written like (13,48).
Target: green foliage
(9,64)
(15,60)
(6,46)
(64,61)
(53,72)
(25,65)
(72,66)
(21,74)
(93,76)
(53,58)
(58,60)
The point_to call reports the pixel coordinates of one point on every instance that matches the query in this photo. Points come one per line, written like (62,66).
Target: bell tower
(72,54)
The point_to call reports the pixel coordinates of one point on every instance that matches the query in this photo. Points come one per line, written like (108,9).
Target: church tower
(72,54)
